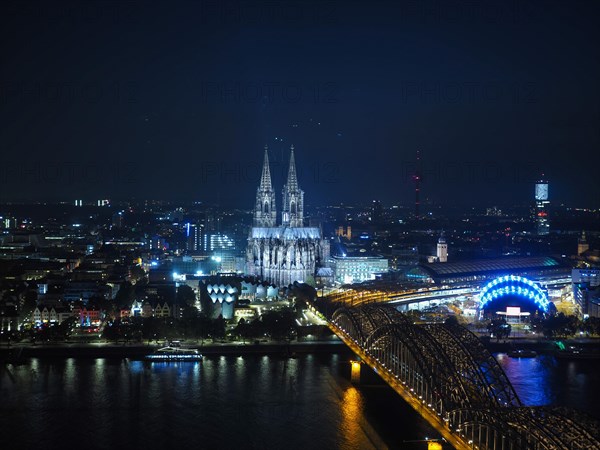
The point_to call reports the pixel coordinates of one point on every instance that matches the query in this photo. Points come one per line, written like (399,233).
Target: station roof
(499,265)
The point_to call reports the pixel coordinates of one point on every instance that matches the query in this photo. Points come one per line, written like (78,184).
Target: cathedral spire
(264,211)
(293,198)
(265,179)
(292,181)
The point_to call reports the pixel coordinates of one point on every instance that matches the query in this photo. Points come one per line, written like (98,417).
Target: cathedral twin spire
(293,198)
(265,212)
(265,179)
(292,181)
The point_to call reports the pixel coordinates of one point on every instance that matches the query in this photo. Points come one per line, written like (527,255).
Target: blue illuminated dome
(514,286)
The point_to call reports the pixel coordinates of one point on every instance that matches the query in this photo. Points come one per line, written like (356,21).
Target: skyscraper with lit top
(541,207)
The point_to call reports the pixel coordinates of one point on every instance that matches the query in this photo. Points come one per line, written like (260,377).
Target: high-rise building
(290,252)
(541,208)
(193,236)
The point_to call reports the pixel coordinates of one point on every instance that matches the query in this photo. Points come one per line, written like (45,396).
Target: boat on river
(573,352)
(175,354)
(520,353)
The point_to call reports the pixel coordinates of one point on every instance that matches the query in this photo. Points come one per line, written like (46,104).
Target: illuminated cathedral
(289,252)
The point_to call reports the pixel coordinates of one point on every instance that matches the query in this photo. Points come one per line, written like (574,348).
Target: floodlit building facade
(290,252)
(356,269)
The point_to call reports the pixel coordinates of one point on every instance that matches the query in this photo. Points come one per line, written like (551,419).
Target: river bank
(138,350)
(546,346)
(101,350)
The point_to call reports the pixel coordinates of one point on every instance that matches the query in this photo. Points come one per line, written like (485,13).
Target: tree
(279,324)
(206,304)
(310,280)
(112,331)
(203,327)
(499,328)
(452,320)
(29,305)
(101,303)
(189,312)
(560,326)
(125,295)
(242,330)
(591,326)
(186,295)
(137,273)
(218,328)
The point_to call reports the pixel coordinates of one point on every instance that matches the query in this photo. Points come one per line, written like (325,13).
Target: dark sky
(175,100)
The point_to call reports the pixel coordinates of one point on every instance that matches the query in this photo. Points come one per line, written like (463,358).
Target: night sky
(176,100)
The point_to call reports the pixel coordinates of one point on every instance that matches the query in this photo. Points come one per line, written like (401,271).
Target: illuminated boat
(577,353)
(175,354)
(522,353)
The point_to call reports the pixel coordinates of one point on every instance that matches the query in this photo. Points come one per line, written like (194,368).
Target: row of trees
(45,333)
(18,300)
(136,329)
(279,325)
(558,326)
(562,326)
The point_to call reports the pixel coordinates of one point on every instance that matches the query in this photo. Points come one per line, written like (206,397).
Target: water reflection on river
(235,402)
(225,402)
(545,380)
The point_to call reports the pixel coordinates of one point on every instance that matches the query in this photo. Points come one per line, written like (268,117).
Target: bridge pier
(355,372)
(464,395)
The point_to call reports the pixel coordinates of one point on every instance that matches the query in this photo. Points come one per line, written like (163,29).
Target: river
(238,402)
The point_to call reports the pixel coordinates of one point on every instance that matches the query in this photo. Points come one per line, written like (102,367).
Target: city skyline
(300,224)
(241,176)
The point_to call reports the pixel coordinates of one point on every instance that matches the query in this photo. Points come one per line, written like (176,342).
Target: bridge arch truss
(446,369)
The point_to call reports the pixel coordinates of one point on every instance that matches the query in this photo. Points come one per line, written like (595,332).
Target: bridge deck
(429,415)
(448,377)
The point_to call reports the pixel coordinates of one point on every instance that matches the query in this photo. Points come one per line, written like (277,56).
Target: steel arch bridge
(452,380)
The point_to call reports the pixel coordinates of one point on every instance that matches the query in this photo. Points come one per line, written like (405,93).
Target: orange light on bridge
(355,372)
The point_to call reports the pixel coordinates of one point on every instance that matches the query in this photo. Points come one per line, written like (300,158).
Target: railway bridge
(447,375)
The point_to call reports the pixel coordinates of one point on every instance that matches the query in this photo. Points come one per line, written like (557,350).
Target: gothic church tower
(293,198)
(265,213)
(286,253)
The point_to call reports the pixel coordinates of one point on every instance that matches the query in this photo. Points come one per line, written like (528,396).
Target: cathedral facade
(289,252)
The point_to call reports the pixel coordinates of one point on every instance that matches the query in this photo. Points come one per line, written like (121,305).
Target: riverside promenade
(139,350)
(104,349)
